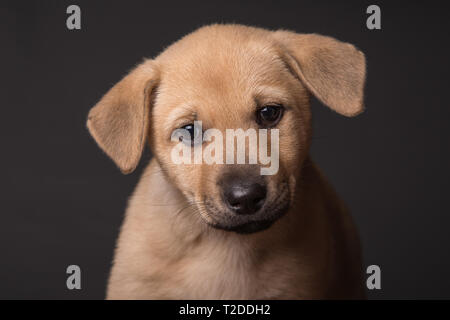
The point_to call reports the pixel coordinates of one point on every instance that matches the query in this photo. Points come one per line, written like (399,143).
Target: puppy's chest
(235,275)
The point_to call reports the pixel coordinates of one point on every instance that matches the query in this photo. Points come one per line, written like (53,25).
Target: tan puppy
(218,231)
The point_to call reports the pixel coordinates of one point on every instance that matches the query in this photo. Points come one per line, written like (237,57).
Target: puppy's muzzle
(245,205)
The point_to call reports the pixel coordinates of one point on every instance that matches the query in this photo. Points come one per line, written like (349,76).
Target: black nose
(245,198)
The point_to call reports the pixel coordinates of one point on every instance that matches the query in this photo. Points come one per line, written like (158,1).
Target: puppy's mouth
(246,228)
(263,220)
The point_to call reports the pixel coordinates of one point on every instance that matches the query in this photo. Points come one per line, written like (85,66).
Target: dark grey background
(62,200)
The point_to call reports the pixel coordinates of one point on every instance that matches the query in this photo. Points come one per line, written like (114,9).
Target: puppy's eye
(194,132)
(270,115)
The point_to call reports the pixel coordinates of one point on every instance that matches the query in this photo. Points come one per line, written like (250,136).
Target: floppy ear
(333,71)
(119,122)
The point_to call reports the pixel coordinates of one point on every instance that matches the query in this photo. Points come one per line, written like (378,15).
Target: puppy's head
(230,77)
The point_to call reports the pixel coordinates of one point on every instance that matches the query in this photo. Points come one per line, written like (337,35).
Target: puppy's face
(239,84)
(230,77)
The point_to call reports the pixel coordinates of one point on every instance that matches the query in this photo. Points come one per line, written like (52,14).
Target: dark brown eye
(269,116)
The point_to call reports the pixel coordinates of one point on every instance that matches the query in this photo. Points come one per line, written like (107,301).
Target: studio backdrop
(63,200)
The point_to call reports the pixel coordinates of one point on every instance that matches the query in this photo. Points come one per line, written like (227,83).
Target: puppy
(224,231)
